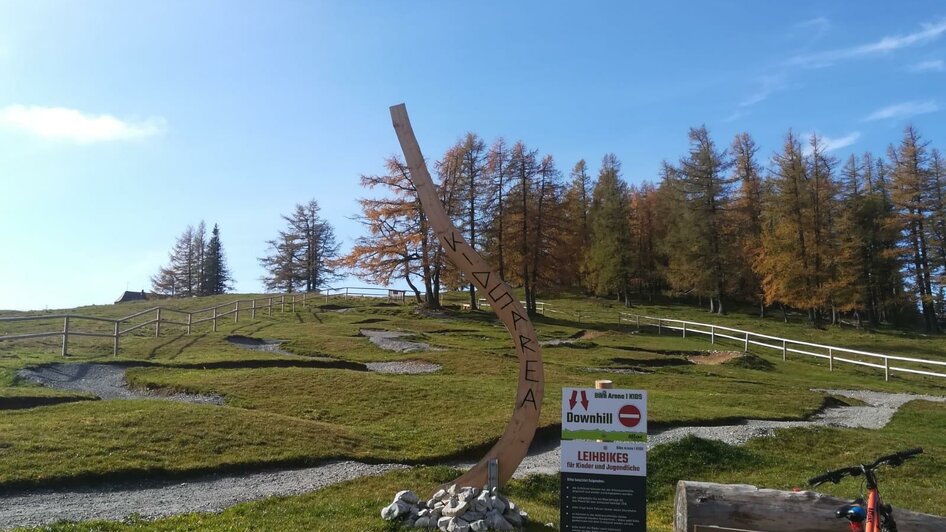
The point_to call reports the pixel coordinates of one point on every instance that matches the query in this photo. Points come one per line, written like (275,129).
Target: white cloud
(903,110)
(830,144)
(936,65)
(927,32)
(767,86)
(813,29)
(60,123)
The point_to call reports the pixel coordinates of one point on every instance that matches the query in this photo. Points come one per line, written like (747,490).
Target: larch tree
(498,166)
(745,222)
(575,212)
(523,169)
(910,186)
(400,242)
(700,260)
(302,257)
(609,257)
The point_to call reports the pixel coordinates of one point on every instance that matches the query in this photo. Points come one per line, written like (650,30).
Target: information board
(604,460)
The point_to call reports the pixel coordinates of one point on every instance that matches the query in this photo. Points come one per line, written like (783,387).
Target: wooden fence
(834,355)
(184,318)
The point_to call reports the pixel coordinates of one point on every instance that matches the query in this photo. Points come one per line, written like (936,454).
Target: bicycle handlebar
(894,460)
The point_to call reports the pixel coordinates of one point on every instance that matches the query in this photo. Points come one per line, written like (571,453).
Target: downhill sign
(606,415)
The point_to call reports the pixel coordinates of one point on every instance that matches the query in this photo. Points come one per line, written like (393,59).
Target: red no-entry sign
(629,415)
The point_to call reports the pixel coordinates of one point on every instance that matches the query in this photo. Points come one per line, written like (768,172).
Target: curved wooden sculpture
(514,443)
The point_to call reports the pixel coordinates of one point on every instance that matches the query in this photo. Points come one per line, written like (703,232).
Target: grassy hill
(288,410)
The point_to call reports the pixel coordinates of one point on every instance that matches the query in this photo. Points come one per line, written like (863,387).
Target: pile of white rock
(456,510)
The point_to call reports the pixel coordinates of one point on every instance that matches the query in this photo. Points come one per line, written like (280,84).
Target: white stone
(441,493)
(444,522)
(394,510)
(478,526)
(458,525)
(407,496)
(456,509)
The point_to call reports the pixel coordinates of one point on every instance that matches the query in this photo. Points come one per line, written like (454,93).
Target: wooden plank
(514,442)
(741,506)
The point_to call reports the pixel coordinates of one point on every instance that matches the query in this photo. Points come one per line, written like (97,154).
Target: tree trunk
(744,507)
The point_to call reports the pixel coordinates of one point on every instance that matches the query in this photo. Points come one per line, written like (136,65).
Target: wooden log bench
(706,506)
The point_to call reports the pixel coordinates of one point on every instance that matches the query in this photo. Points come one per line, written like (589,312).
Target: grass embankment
(297,414)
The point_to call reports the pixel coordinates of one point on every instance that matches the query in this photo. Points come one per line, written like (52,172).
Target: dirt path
(152,499)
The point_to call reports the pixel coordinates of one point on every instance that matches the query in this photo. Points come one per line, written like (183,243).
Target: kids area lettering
(608,415)
(604,460)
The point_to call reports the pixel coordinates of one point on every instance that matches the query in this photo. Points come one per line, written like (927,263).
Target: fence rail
(192,317)
(786,346)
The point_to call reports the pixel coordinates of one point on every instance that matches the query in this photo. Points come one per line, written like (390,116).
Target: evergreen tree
(575,216)
(216,275)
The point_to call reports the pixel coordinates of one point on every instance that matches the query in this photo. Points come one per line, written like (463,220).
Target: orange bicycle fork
(872,524)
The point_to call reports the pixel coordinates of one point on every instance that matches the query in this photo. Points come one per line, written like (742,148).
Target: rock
(395,510)
(478,526)
(452,490)
(495,521)
(444,522)
(424,512)
(497,504)
(422,522)
(524,516)
(436,514)
(473,516)
(458,525)
(441,493)
(456,509)
(407,496)
(513,517)
(483,503)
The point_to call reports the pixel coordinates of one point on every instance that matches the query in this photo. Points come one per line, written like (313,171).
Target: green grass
(287,410)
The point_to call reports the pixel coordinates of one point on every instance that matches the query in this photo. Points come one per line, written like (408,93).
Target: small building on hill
(133,296)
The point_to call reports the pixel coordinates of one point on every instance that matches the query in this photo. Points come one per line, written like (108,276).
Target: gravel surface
(388,340)
(403,368)
(152,499)
(106,381)
(268,346)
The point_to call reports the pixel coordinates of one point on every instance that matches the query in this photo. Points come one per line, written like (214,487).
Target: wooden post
(784,351)
(638,322)
(830,359)
(215,319)
(282,304)
(604,384)
(303,299)
(684,329)
(65,335)
(293,302)
(157,323)
(886,368)
(579,317)
(253,310)
(269,307)
(745,348)
(659,326)
(709,506)
(236,312)
(712,334)
(190,319)
(115,339)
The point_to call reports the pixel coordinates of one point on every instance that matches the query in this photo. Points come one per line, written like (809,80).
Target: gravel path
(878,411)
(395,368)
(107,381)
(403,368)
(152,499)
(388,340)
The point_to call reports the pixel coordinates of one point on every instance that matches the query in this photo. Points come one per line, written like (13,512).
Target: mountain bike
(874,515)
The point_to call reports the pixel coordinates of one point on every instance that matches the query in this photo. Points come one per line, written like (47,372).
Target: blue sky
(123,122)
